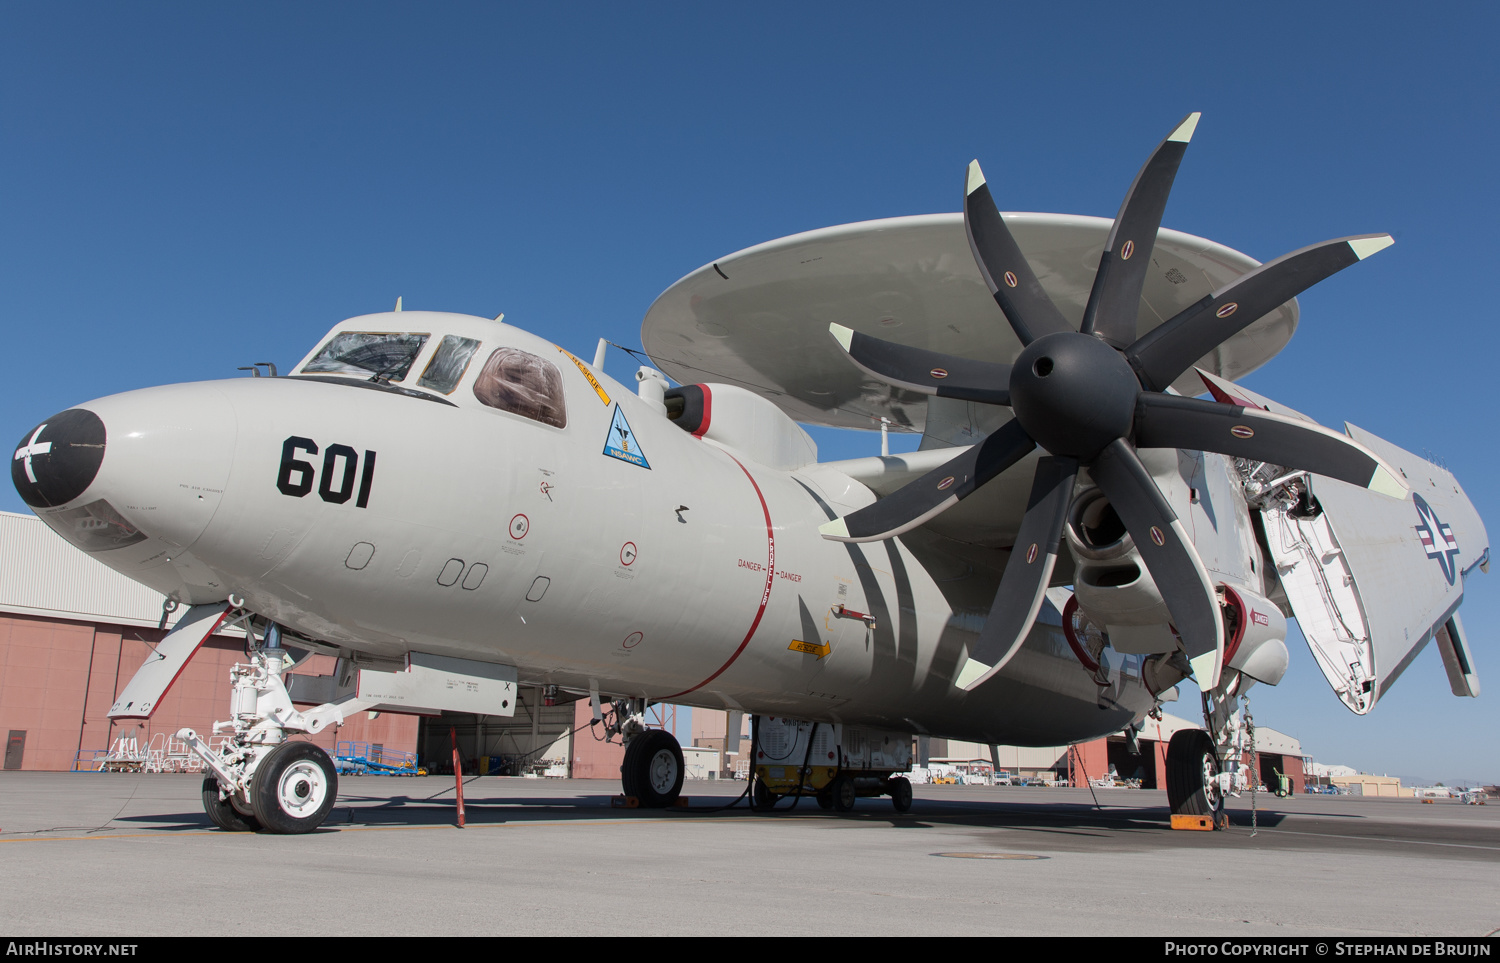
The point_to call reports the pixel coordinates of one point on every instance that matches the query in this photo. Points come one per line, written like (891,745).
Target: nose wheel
(221,812)
(294,788)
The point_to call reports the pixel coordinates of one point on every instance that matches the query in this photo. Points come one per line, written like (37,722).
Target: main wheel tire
(294,788)
(653,769)
(221,812)
(825,799)
(842,793)
(1192,764)
(900,791)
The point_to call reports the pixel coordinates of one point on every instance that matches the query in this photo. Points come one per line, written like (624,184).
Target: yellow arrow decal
(810,648)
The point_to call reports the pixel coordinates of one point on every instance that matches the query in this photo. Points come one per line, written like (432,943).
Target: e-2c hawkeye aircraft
(455,508)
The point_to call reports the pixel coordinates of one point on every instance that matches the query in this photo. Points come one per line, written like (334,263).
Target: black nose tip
(56,461)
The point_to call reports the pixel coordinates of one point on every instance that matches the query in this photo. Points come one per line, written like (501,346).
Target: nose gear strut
(260,780)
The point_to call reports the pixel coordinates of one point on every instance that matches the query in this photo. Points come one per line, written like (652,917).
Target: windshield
(448,364)
(380,356)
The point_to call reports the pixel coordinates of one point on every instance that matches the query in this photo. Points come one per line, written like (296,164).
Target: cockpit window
(519,382)
(376,355)
(448,364)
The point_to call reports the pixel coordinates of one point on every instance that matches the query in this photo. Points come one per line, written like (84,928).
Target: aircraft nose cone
(57,460)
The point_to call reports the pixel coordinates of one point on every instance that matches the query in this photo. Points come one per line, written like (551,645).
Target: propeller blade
(1170,421)
(936,491)
(1169,555)
(1020,295)
(1115,300)
(1163,354)
(929,372)
(1027,573)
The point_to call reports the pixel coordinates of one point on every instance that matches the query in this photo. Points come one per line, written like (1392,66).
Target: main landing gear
(1193,783)
(1204,765)
(653,769)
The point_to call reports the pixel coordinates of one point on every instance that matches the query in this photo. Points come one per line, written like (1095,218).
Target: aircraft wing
(1371,578)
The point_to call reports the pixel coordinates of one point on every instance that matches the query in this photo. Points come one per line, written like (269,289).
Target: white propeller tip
(1206,670)
(975,180)
(841,334)
(973,673)
(835,530)
(1363,247)
(1184,131)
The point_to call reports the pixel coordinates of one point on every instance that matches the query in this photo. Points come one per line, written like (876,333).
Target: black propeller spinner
(1090,397)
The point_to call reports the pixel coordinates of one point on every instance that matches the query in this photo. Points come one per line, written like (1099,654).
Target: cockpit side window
(521,383)
(379,356)
(448,364)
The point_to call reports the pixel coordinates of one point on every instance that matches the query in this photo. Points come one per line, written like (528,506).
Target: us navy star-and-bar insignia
(1437,538)
(622,443)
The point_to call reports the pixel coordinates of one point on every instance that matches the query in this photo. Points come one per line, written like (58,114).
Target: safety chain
(1254,770)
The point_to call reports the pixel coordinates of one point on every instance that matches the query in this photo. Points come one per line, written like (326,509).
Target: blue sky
(186,188)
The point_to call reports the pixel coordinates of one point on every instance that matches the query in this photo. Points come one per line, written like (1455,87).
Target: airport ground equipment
(366,759)
(835,764)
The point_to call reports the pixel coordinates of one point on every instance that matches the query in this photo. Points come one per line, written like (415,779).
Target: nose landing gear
(223,812)
(260,780)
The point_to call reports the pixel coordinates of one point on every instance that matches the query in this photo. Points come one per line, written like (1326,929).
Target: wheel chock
(681,802)
(625,802)
(1200,823)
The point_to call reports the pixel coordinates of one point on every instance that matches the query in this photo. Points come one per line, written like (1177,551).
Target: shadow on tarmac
(1030,823)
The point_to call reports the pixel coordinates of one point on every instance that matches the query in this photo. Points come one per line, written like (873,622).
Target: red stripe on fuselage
(765,595)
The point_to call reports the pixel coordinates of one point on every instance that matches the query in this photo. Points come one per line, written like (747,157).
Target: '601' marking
(340,465)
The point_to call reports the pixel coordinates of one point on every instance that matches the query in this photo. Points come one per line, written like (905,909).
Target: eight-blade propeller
(1091,397)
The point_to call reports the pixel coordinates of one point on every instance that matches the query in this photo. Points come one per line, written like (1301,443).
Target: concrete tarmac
(96,854)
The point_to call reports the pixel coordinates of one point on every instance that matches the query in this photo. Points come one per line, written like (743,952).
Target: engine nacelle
(1254,636)
(1111,581)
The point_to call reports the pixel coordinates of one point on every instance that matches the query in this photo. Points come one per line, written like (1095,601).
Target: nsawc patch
(621,442)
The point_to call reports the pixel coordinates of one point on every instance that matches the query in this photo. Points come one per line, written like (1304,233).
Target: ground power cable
(749,778)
